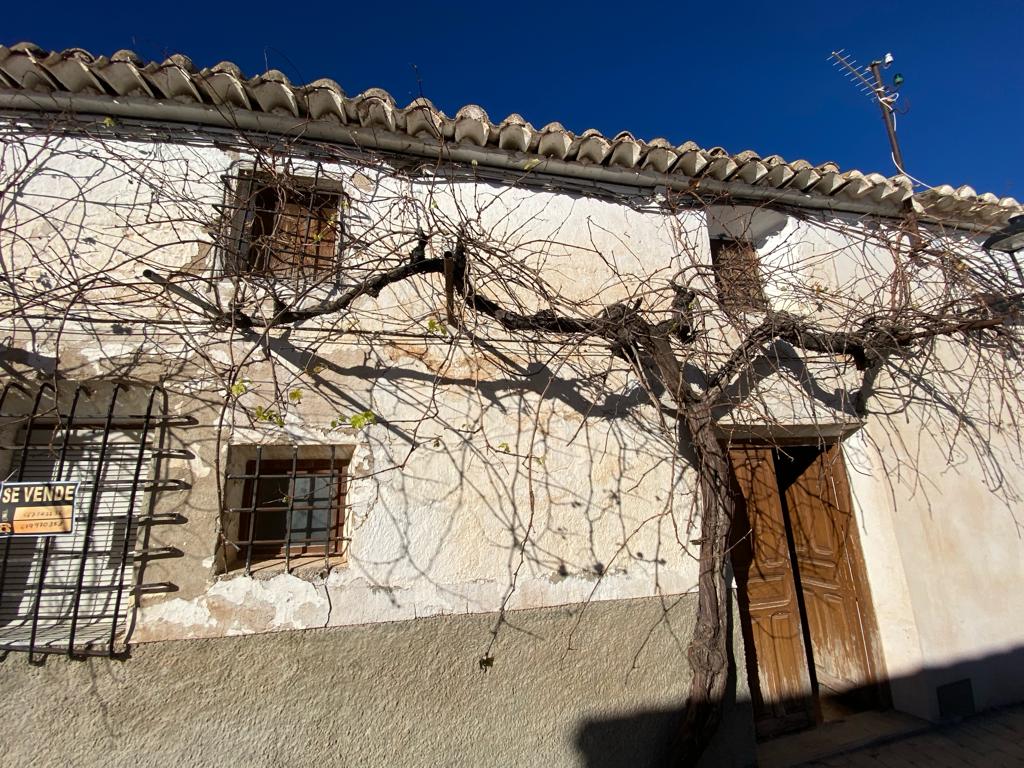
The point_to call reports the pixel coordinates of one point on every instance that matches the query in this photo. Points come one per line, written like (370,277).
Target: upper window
(737,275)
(285,226)
(291,511)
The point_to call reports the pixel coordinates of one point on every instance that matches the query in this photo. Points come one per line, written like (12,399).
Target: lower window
(290,509)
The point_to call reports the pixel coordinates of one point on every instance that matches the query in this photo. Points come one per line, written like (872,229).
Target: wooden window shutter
(737,275)
(264,205)
(307,231)
(237,238)
(288,231)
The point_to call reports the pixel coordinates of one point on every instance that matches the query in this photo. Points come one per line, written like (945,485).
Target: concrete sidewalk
(990,740)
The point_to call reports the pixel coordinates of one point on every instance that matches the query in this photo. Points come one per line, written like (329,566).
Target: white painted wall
(954,609)
(443,534)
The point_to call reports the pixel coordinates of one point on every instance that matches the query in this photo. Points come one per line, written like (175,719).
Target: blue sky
(743,75)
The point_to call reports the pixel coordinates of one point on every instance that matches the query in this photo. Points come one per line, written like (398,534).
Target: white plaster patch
(188,615)
(111,350)
(195,467)
(238,606)
(200,468)
(297,603)
(198,385)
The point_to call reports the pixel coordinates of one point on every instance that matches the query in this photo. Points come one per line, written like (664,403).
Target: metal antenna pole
(876,91)
(890,125)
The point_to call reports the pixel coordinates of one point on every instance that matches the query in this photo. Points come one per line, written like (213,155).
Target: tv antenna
(868,80)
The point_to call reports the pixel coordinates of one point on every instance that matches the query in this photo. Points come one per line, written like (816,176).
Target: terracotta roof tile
(27,68)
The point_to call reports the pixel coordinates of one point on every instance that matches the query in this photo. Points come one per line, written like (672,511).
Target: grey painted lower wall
(601,688)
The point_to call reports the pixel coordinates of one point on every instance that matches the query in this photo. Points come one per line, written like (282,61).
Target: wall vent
(956,699)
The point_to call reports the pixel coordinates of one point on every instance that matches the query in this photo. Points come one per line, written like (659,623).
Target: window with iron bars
(737,275)
(283,226)
(72,592)
(285,511)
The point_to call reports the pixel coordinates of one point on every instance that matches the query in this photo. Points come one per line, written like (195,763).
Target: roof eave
(83,105)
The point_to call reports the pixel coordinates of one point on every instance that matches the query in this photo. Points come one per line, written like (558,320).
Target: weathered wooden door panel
(782,691)
(805,609)
(825,543)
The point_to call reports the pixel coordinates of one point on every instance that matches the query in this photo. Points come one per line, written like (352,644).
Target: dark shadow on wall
(947,693)
(645,739)
(649,738)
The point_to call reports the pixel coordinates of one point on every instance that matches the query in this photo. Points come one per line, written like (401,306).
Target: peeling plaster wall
(937,497)
(945,559)
(441,535)
(568,688)
(437,537)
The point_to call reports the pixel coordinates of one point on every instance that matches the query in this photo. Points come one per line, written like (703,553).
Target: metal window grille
(281,226)
(292,510)
(737,275)
(71,593)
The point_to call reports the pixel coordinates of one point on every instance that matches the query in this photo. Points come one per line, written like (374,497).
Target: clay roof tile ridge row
(27,67)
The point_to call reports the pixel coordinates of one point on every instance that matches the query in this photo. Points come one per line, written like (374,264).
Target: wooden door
(773,635)
(830,574)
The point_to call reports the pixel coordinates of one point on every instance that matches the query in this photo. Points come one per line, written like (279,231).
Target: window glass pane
(269,523)
(311,513)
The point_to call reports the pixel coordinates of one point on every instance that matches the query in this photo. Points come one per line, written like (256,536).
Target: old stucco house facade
(378,540)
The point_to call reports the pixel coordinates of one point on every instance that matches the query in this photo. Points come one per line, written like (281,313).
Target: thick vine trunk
(708,653)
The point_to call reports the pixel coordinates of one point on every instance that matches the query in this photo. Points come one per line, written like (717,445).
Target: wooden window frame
(282,549)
